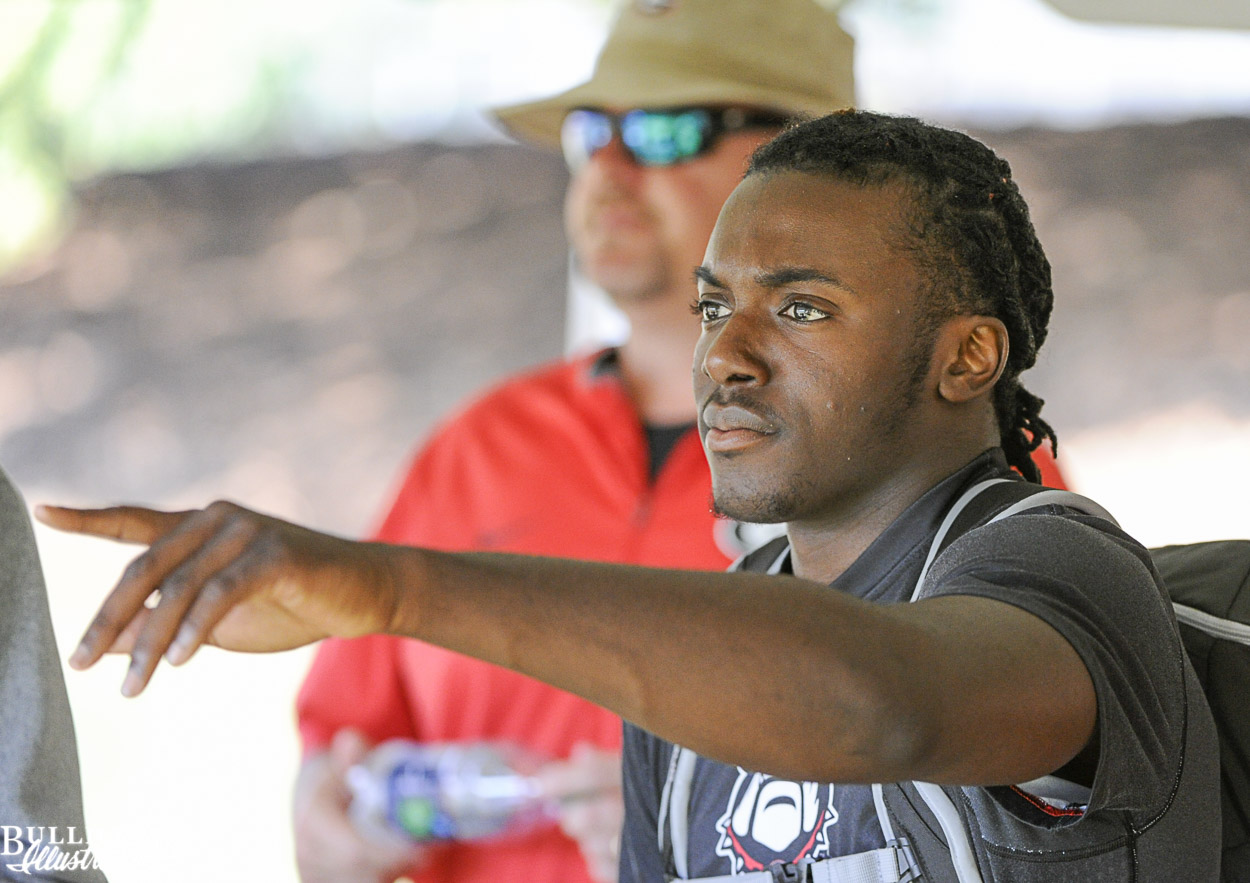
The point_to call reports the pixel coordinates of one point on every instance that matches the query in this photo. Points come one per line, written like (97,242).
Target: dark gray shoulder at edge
(39,773)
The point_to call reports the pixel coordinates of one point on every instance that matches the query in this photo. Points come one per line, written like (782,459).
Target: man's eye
(710,310)
(802,312)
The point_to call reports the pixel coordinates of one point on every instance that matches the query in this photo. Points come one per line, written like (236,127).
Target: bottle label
(415,807)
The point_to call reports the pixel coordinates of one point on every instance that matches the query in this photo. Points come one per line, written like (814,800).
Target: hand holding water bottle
(591,810)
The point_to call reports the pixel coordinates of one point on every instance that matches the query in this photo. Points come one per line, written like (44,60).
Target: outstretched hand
(227,576)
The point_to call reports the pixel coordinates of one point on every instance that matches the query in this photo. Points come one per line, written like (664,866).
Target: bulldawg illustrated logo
(44,848)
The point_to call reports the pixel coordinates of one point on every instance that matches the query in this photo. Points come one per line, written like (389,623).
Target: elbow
(886,736)
(859,729)
(898,744)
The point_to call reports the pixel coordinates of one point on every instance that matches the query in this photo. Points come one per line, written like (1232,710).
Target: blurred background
(255,250)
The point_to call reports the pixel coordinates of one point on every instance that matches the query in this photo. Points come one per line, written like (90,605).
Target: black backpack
(1209,584)
(1210,588)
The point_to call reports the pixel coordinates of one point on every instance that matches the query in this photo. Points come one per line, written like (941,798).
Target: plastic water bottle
(448,791)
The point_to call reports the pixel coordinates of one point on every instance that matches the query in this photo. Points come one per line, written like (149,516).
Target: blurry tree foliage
(45,50)
(90,87)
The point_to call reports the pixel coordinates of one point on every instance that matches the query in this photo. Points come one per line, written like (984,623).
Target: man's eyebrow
(703,274)
(776,278)
(790,275)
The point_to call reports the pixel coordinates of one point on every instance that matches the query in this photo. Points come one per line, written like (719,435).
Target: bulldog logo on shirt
(774,820)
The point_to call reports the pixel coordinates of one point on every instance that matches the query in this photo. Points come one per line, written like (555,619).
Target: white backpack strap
(944,528)
(1215,626)
(675,809)
(1048,497)
(661,826)
(883,817)
(875,866)
(943,808)
(1051,497)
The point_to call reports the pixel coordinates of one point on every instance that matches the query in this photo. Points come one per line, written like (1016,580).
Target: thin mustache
(722,399)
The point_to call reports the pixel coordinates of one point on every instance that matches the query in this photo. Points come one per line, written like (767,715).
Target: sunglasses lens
(653,138)
(662,138)
(584,133)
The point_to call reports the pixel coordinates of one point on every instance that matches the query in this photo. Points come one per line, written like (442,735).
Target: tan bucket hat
(785,55)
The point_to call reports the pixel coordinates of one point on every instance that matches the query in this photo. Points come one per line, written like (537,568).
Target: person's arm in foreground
(899,687)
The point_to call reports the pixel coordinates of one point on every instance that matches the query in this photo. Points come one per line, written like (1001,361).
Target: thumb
(347,748)
(588,772)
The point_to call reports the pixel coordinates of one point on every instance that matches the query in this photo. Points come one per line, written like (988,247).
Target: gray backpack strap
(1048,497)
(674,816)
(877,866)
(963,857)
(1052,497)
(1215,626)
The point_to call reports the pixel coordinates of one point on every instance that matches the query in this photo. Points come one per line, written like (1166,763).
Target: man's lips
(731,427)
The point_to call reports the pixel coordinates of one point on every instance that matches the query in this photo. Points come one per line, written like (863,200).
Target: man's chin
(753,509)
(625,291)
(627,278)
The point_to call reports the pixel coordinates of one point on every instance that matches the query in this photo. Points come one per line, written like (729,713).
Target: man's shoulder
(549,391)
(520,421)
(1055,536)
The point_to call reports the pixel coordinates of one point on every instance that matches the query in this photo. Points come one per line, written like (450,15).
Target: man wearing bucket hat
(596,457)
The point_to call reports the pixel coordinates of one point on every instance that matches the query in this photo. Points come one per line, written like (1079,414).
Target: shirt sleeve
(39,776)
(1097,587)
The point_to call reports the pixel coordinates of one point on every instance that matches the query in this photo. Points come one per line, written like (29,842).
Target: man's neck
(822,548)
(655,361)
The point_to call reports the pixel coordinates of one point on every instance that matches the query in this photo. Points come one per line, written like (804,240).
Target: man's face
(810,374)
(639,231)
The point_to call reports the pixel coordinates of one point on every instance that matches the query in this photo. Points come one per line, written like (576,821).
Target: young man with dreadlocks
(869,297)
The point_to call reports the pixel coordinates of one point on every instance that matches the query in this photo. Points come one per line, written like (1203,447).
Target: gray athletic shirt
(39,784)
(1153,814)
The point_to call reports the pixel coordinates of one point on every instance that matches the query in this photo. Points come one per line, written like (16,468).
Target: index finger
(126,524)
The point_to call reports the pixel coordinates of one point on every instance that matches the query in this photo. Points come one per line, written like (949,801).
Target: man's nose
(614,162)
(732,355)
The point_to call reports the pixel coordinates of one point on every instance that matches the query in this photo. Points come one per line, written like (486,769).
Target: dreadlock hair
(968,227)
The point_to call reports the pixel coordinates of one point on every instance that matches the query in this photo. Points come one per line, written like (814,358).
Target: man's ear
(975,350)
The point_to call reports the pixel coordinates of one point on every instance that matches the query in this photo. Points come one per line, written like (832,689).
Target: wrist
(405,575)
